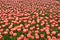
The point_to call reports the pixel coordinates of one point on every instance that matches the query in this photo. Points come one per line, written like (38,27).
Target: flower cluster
(30,20)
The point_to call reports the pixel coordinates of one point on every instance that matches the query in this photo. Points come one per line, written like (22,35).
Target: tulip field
(29,19)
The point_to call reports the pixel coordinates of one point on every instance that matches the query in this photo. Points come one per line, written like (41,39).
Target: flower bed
(30,20)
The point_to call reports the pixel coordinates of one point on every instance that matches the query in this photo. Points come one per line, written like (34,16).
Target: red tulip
(25,21)
(7,30)
(16,19)
(56,25)
(6,23)
(53,33)
(48,38)
(33,22)
(41,30)
(29,21)
(58,21)
(19,38)
(37,36)
(59,28)
(25,38)
(20,26)
(3,26)
(58,35)
(38,20)
(27,26)
(54,38)
(58,38)
(29,35)
(11,32)
(52,26)
(1,37)
(0,27)
(32,28)
(48,33)
(10,26)
(18,30)
(37,31)
(42,35)
(13,29)
(37,26)
(32,37)
(14,34)
(22,37)
(25,30)
(42,14)
(5,33)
